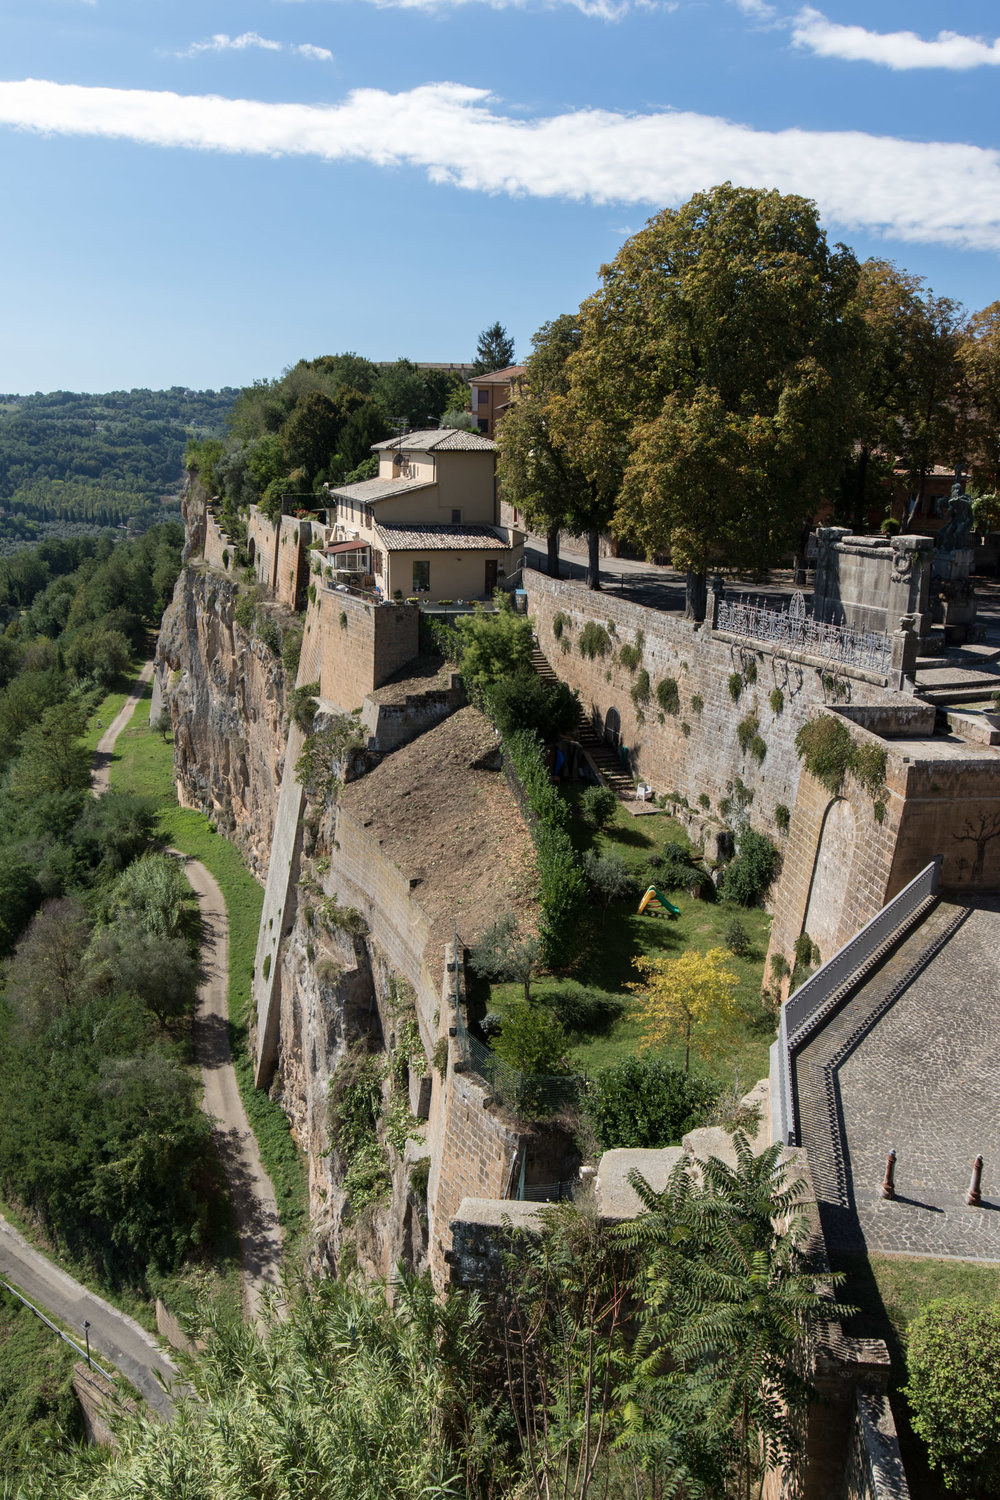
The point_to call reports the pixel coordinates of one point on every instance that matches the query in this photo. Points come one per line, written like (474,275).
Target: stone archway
(252,551)
(831,878)
(613,727)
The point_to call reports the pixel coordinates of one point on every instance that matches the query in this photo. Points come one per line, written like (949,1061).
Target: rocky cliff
(226,690)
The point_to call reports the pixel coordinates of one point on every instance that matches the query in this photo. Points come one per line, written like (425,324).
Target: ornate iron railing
(792,629)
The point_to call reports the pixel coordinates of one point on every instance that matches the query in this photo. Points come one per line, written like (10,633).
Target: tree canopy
(494,350)
(712,389)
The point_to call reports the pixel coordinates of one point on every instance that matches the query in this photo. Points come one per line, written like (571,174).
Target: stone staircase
(602,758)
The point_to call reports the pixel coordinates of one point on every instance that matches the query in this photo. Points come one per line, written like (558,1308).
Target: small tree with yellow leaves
(690,998)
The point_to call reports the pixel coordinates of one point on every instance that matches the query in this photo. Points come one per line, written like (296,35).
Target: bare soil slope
(444,814)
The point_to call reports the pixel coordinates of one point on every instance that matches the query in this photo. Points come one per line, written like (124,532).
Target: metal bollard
(889,1180)
(974,1196)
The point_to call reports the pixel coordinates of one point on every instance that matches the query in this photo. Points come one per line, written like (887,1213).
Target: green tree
(711,393)
(505,953)
(153,895)
(979,431)
(494,350)
(953,1359)
(609,877)
(51,758)
(310,434)
(727,1299)
(494,646)
(536,471)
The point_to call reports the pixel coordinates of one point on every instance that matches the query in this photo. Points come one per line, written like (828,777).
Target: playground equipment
(653,894)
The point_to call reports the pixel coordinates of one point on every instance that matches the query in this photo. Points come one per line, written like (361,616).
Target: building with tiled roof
(428,525)
(491,395)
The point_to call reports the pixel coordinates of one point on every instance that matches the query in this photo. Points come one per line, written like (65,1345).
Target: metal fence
(815,1000)
(792,629)
(530,1096)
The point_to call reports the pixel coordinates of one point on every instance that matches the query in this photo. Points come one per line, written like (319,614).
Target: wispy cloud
(893,49)
(930,191)
(252,41)
(759,10)
(603,10)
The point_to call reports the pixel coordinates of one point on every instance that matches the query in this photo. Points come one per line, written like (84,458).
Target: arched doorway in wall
(252,553)
(831,878)
(613,728)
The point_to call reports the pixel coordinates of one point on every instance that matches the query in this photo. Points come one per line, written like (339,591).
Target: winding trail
(101,777)
(113,1334)
(250,1190)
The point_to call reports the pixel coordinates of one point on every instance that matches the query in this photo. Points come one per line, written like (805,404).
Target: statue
(956,532)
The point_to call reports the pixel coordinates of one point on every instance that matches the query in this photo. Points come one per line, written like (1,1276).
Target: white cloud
(248,40)
(757,10)
(926,191)
(603,10)
(893,49)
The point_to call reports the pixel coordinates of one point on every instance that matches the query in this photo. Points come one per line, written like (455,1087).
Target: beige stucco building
(427,527)
(491,395)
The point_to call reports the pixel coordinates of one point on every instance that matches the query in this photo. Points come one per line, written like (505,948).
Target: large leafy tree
(979,434)
(710,394)
(537,470)
(689,999)
(494,350)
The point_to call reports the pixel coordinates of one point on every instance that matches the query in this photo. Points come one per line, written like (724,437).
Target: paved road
(113,1335)
(250,1189)
(100,779)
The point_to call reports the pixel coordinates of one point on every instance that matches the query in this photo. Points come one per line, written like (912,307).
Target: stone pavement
(912,1063)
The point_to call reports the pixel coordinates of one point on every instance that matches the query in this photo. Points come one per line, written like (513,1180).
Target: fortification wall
(219,549)
(841,864)
(694,752)
(358,644)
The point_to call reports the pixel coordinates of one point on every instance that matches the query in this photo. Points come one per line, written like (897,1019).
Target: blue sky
(201,193)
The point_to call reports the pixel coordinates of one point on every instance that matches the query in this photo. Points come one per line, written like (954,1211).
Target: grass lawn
(888,1292)
(37,1403)
(610,947)
(143,765)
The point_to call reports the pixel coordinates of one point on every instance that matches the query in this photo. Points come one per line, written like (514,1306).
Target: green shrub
(641,1104)
(582,1010)
(668,696)
(594,640)
(889,527)
(640,688)
(562,888)
(598,805)
(748,876)
(266,966)
(745,731)
(777,700)
(737,938)
(780,967)
(631,656)
(532,1041)
(704,800)
(291,650)
(269,633)
(560,621)
(758,748)
(244,612)
(953,1359)
(697,702)
(493,646)
(824,746)
(302,705)
(527,701)
(750,673)
(782,817)
(735,685)
(828,752)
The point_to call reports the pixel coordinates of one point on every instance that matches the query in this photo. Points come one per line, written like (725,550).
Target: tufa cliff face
(226,691)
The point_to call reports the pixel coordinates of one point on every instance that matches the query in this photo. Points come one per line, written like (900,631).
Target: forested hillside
(69,459)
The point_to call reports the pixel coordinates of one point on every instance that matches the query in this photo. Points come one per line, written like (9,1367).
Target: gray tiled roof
(439,439)
(401,538)
(367,491)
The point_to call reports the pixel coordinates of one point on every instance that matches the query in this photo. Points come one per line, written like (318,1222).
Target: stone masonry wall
(694,752)
(359,644)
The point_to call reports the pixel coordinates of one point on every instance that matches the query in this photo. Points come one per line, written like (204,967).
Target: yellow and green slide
(653,894)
